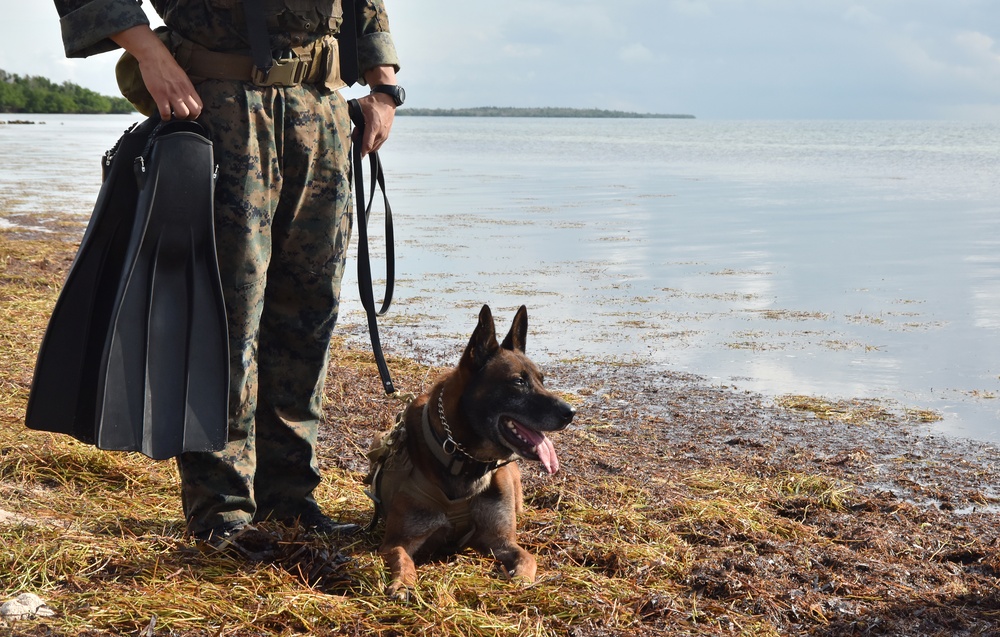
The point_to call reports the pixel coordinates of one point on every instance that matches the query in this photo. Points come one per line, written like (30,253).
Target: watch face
(400,96)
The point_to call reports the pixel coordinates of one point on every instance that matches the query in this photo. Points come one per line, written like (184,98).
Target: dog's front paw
(399,592)
(521,578)
(523,568)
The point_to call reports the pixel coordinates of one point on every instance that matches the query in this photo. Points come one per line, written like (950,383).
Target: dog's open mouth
(529,444)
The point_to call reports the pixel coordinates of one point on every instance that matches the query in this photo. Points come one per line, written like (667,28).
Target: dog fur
(444,478)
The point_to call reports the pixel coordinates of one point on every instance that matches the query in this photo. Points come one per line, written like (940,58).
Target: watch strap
(393,90)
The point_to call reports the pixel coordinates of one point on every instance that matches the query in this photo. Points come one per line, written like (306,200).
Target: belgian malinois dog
(444,478)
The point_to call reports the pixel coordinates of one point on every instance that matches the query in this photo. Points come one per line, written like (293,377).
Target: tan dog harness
(391,471)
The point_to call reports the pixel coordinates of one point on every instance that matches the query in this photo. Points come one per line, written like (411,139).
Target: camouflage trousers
(283,225)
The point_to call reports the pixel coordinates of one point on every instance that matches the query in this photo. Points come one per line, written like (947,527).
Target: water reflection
(827,258)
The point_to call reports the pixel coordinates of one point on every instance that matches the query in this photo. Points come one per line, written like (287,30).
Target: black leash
(364,260)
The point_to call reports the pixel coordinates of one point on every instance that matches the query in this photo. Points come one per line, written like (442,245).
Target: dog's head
(504,401)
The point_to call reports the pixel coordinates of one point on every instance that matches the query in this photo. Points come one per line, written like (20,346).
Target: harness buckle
(285,72)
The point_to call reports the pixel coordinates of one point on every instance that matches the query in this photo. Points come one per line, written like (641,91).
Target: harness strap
(457,512)
(260,43)
(348,36)
(364,260)
(404,477)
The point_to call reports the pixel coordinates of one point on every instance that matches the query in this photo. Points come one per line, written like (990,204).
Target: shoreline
(882,446)
(784,429)
(732,293)
(542,111)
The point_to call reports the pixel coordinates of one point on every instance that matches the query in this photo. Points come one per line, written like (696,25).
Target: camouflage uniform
(283,223)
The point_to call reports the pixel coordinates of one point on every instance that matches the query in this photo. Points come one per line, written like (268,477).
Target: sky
(714,59)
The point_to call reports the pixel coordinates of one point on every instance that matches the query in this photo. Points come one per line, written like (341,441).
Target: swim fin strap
(136,354)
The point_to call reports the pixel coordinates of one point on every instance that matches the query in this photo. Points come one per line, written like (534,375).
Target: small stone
(24,606)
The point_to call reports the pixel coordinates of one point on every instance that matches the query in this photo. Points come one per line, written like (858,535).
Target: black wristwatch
(395,91)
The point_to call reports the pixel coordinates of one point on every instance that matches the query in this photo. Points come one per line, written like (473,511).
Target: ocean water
(841,259)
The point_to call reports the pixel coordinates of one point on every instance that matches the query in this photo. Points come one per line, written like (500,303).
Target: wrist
(384,99)
(380,75)
(392,94)
(140,41)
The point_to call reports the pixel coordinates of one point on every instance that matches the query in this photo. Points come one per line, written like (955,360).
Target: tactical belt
(315,63)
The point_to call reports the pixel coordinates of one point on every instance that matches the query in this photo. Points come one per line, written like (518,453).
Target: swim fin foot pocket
(136,353)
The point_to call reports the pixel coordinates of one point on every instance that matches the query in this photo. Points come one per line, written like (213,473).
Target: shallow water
(840,259)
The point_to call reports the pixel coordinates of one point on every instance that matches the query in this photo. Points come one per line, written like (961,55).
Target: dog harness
(392,472)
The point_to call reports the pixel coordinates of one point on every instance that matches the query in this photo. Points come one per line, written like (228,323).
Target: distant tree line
(29,94)
(548,111)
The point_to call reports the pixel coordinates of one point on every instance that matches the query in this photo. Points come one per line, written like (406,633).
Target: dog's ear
(517,337)
(483,343)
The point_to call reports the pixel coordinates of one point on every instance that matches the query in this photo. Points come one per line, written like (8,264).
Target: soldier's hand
(379,111)
(165,80)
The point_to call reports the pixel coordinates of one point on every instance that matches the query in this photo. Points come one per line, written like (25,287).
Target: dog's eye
(519,381)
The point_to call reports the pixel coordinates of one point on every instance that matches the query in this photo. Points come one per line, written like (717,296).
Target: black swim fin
(135,357)
(64,390)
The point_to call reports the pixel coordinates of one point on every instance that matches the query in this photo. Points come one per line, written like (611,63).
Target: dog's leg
(405,534)
(497,535)
(496,523)
(402,571)
(518,493)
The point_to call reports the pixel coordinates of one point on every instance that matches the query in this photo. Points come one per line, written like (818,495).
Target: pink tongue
(547,454)
(543,447)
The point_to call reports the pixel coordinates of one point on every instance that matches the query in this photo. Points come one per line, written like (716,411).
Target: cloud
(981,49)
(861,15)
(557,22)
(522,51)
(713,58)
(965,62)
(693,8)
(981,67)
(635,53)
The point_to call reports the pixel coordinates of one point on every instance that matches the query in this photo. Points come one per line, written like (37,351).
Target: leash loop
(364,259)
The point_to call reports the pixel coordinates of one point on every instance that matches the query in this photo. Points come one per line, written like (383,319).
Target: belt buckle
(285,72)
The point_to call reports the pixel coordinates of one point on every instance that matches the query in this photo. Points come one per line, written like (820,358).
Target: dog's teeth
(513,430)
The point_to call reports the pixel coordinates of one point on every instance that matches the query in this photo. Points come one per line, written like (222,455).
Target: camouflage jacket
(220,25)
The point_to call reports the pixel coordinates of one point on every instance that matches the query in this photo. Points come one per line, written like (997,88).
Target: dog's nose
(566,414)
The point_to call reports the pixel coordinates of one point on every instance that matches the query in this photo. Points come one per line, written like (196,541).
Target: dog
(444,478)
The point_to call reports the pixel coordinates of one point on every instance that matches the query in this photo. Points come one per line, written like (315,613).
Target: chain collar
(449,451)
